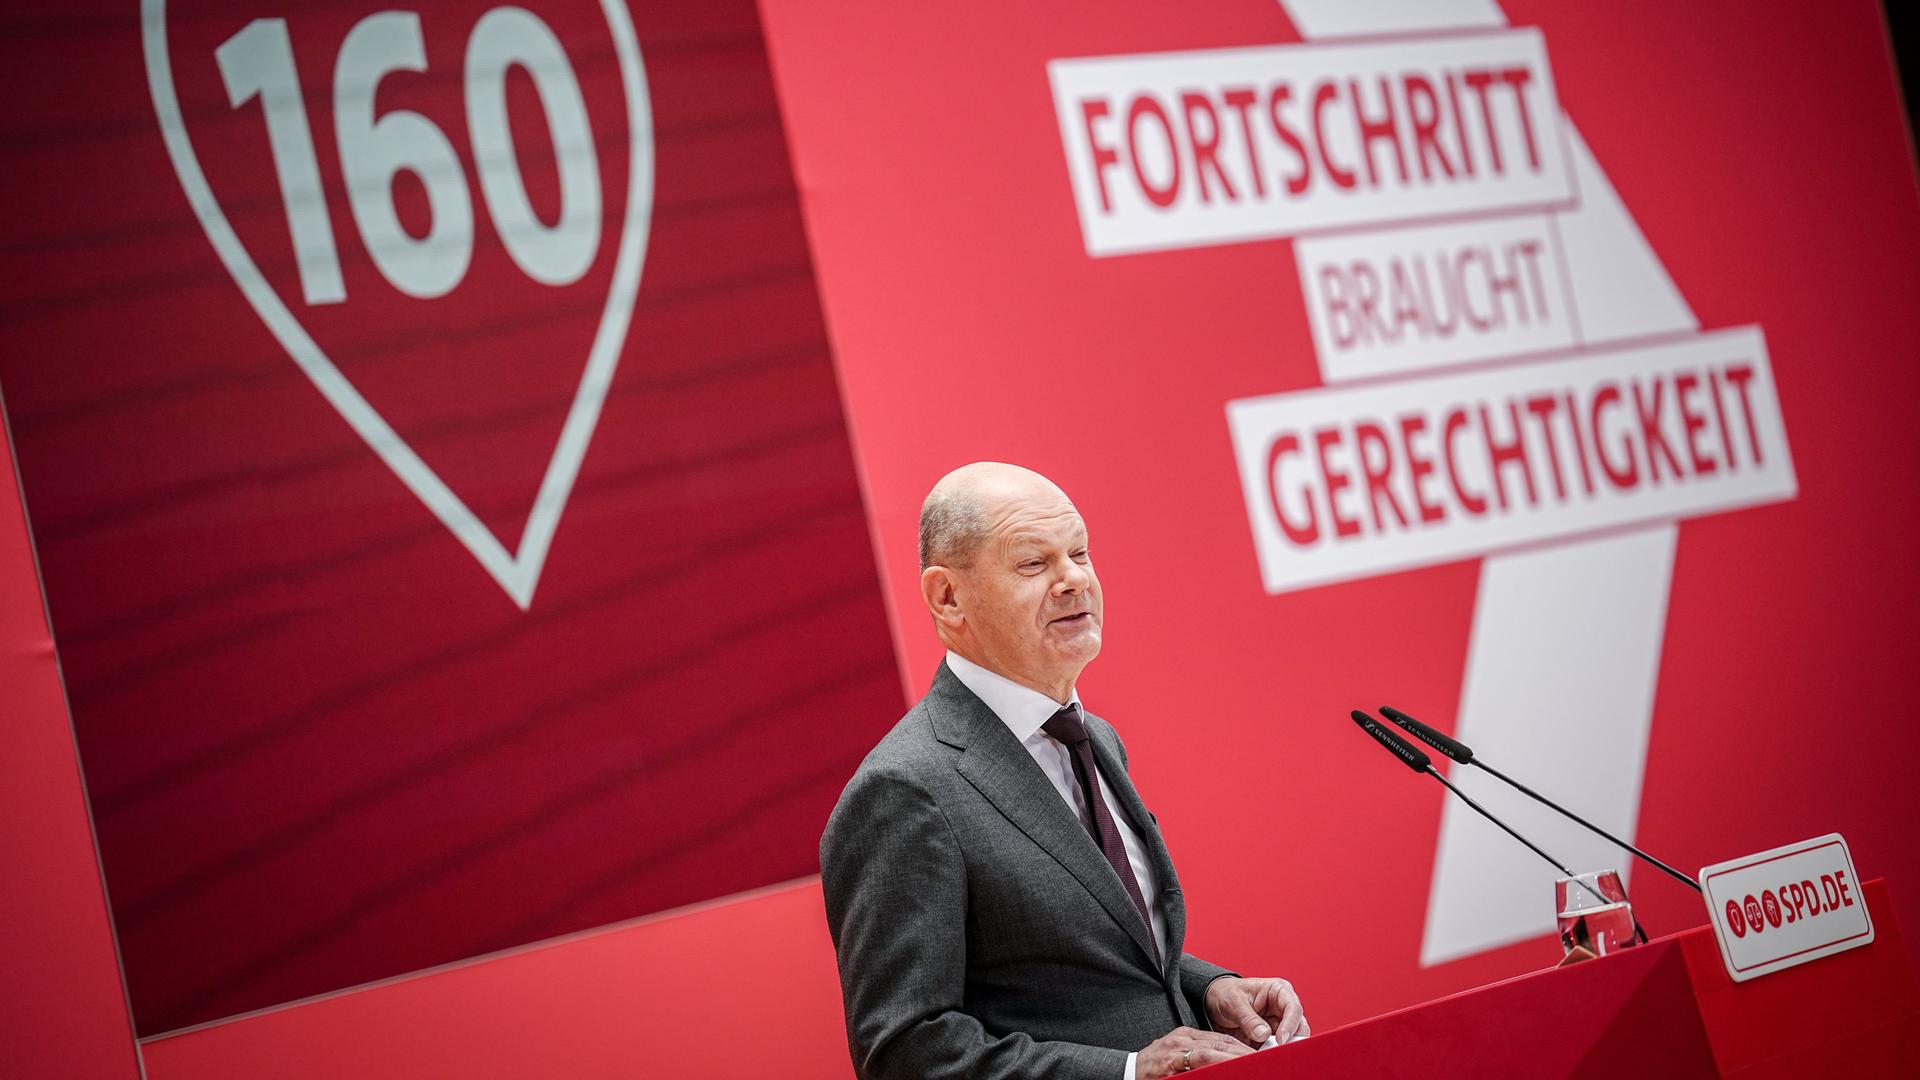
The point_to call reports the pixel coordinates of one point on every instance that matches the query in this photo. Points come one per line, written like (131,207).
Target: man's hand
(1184,1048)
(1252,1009)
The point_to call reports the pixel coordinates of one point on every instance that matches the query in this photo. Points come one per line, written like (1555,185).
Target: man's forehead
(1015,504)
(1039,523)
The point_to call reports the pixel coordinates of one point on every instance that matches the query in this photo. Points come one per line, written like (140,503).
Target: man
(1000,899)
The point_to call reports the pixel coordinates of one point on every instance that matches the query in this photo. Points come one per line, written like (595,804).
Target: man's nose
(1073,579)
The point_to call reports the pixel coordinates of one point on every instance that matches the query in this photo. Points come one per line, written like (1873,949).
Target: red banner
(1533,368)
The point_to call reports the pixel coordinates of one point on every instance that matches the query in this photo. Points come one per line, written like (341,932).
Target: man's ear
(940,588)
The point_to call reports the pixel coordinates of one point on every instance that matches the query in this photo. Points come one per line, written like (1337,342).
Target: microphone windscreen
(1440,741)
(1415,758)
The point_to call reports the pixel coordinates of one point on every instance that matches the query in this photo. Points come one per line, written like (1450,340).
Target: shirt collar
(1021,708)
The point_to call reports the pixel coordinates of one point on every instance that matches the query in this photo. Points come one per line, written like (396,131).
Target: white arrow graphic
(1566,640)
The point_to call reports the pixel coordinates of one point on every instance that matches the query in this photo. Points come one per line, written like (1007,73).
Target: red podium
(1665,1009)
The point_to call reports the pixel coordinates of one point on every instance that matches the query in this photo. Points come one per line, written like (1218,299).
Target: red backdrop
(970,322)
(65,1013)
(326,744)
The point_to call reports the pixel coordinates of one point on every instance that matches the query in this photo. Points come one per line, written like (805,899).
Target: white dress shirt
(1024,710)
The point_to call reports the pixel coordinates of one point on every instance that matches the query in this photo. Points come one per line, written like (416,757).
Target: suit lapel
(1004,773)
(1172,904)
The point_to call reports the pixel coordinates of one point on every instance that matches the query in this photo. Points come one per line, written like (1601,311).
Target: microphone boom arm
(1463,755)
(1550,804)
(1415,759)
(1468,799)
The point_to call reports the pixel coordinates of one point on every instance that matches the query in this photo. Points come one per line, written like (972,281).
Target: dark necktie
(1066,726)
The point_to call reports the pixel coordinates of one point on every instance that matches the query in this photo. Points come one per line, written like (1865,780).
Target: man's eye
(1080,556)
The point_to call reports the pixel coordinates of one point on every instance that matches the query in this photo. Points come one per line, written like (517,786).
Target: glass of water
(1594,913)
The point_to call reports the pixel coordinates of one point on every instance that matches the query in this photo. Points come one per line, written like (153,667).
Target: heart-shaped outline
(516,572)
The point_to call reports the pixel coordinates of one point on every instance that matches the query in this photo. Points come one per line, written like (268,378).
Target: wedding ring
(1186,1060)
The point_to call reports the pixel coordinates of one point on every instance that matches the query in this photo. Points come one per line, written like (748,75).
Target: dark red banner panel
(438,473)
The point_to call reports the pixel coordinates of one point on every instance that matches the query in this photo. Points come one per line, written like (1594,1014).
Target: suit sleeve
(1195,976)
(896,893)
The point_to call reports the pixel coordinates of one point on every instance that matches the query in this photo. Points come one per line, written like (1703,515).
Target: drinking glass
(1594,913)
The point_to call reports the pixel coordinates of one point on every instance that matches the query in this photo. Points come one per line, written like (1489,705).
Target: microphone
(1417,760)
(1463,754)
(1414,759)
(1440,741)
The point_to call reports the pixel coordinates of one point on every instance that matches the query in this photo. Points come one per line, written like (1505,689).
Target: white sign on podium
(1783,907)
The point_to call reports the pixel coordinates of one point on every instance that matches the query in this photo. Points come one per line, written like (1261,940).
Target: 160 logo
(417,236)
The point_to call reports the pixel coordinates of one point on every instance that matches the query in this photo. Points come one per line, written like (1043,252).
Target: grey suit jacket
(979,929)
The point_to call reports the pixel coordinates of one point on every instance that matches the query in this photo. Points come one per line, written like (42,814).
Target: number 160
(373,150)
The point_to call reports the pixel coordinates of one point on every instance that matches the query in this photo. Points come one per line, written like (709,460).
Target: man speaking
(1000,899)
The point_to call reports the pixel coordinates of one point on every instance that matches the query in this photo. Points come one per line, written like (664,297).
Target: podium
(1663,1009)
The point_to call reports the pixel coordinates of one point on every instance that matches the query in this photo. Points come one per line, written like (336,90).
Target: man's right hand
(1185,1048)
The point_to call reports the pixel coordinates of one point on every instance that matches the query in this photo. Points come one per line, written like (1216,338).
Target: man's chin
(1079,644)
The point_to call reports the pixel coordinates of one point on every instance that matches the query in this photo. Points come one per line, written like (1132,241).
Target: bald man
(1001,902)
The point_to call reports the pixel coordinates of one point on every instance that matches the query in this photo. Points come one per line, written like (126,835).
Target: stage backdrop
(1544,370)
(454,534)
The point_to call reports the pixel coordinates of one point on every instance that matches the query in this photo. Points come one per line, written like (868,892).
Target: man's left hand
(1253,1009)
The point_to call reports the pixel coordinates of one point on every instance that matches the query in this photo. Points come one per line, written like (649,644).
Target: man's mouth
(1075,618)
